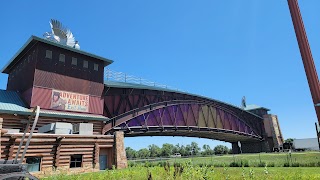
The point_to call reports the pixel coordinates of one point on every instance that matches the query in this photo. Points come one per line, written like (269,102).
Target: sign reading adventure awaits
(62,100)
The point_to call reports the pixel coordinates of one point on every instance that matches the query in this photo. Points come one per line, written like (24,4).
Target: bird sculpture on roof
(61,34)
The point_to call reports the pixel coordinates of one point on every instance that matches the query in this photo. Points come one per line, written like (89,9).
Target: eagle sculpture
(61,34)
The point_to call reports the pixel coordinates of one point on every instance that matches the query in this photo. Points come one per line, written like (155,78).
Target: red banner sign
(69,101)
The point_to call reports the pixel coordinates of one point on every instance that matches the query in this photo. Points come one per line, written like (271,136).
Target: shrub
(219,165)
(261,164)
(244,163)
(131,164)
(286,164)
(235,164)
(270,164)
(295,164)
(161,163)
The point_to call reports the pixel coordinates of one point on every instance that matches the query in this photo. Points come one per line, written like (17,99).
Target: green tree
(143,153)
(155,151)
(188,149)
(176,149)
(183,151)
(220,149)
(195,148)
(131,153)
(207,150)
(166,150)
(289,140)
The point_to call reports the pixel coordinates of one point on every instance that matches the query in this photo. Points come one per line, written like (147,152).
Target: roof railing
(123,77)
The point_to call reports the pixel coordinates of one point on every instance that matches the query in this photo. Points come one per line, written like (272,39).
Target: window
(76,161)
(85,64)
(74,61)
(48,54)
(62,58)
(95,67)
(33,163)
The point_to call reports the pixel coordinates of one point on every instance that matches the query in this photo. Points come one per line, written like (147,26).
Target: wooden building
(68,86)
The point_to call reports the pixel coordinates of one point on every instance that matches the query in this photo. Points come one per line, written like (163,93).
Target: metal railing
(123,77)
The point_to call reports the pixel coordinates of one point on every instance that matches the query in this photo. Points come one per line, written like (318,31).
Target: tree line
(169,149)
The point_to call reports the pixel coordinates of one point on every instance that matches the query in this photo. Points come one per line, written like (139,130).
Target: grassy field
(253,160)
(196,172)
(204,168)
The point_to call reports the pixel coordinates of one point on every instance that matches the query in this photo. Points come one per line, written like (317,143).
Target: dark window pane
(85,64)
(96,67)
(62,58)
(75,161)
(48,54)
(33,163)
(74,61)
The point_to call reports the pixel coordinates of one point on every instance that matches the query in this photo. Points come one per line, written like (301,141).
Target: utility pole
(306,56)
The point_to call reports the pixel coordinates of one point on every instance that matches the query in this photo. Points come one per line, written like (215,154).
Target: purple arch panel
(179,117)
(152,119)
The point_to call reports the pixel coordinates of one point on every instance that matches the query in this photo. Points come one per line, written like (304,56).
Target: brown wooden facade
(33,74)
(39,68)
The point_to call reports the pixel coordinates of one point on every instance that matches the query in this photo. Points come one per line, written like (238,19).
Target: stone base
(120,152)
(49,171)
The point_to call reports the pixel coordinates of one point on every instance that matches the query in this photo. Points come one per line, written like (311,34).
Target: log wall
(19,122)
(56,150)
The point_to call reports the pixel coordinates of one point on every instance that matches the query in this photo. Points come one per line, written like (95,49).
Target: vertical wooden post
(57,152)
(306,54)
(11,147)
(96,156)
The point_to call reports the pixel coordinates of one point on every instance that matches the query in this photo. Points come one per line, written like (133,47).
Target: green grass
(195,173)
(271,159)
(206,168)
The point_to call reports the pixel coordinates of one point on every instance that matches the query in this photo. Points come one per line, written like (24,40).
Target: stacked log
(19,122)
(55,150)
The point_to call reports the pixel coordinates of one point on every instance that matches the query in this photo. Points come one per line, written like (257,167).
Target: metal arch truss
(184,118)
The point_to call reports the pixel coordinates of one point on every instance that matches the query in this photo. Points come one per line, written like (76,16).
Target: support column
(318,135)
(119,150)
(250,147)
(306,54)
(235,148)
(1,121)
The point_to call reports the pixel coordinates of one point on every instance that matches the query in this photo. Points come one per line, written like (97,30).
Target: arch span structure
(141,110)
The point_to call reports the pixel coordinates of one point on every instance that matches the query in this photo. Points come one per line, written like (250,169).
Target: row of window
(74,61)
(34,163)
(22,65)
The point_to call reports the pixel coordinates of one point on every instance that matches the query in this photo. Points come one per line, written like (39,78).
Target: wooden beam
(106,146)
(76,149)
(57,152)
(76,146)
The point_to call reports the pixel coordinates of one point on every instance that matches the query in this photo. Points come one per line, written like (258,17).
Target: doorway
(103,162)
(105,158)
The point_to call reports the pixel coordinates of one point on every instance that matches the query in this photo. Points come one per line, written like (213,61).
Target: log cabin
(68,85)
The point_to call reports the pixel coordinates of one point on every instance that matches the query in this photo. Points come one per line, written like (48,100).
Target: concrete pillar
(119,150)
(250,147)
(235,148)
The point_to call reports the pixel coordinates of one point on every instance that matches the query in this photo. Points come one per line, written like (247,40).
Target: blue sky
(220,49)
